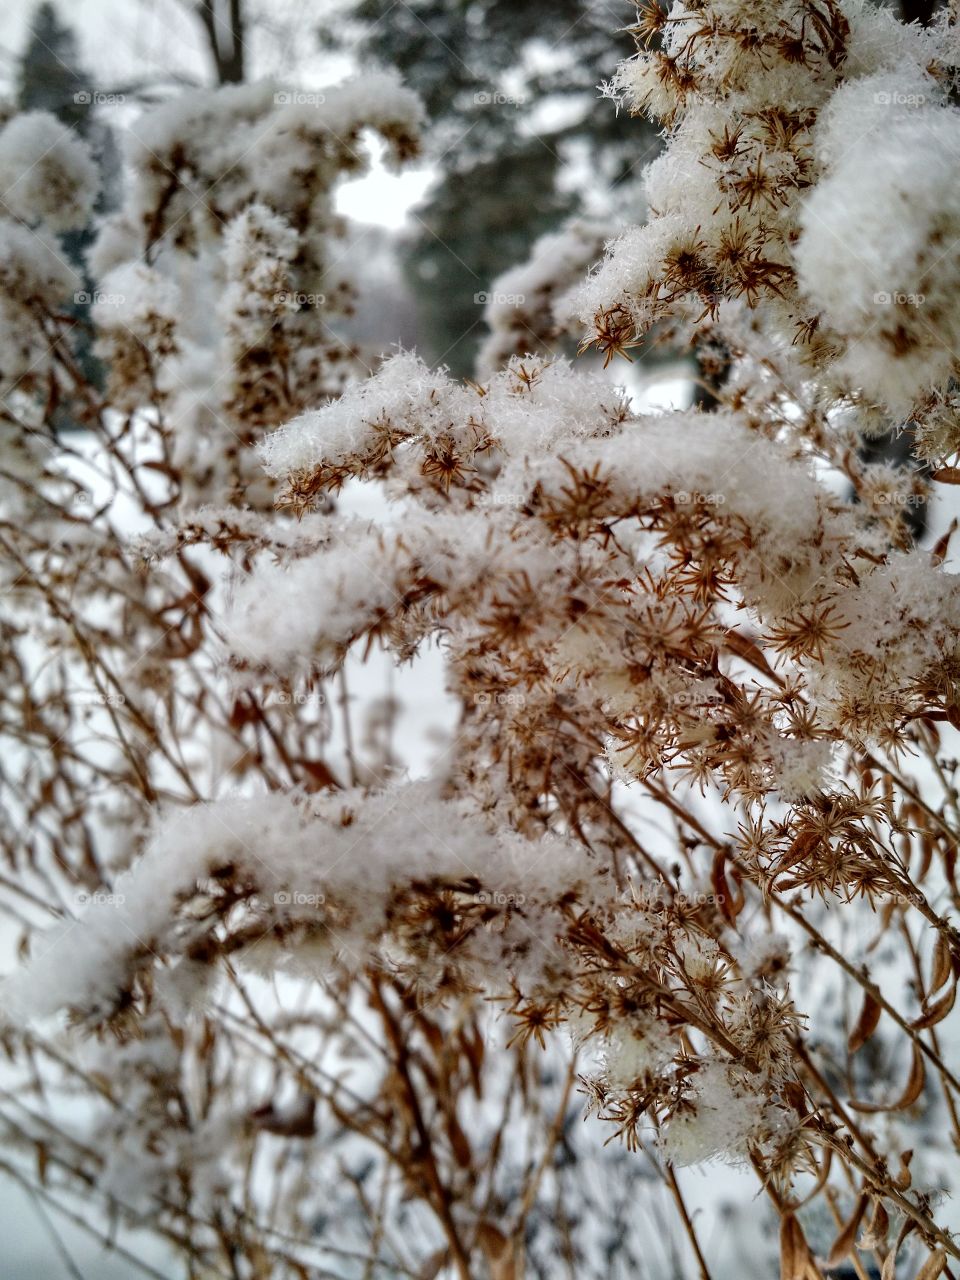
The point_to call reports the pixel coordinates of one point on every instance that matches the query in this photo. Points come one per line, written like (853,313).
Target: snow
(403,391)
(721,1120)
(33,273)
(540,539)
(135,297)
(32,266)
(333,870)
(875,254)
(328,599)
(799,533)
(527,307)
(260,140)
(47,172)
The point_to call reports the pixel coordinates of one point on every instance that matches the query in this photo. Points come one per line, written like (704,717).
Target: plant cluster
(690,847)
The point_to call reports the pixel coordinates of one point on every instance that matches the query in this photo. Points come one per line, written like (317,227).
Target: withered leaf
(933,1266)
(866,1023)
(938,552)
(875,1236)
(845,1242)
(459,1144)
(745,648)
(904,1177)
(795,1257)
(731,903)
(937,1012)
(497,1251)
(889,1269)
(911,1093)
(942,964)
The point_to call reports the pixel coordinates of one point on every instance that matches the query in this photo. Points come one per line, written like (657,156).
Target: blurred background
(517,124)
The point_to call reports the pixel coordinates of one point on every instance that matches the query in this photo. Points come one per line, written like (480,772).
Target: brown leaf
(886,915)
(915,1082)
(946,475)
(866,1023)
(804,843)
(730,903)
(434,1265)
(796,1095)
(497,1251)
(846,1241)
(889,1270)
(319,777)
(904,1177)
(462,1152)
(936,1012)
(296,1121)
(243,712)
(911,1093)
(942,964)
(794,1251)
(745,648)
(927,847)
(875,1236)
(938,552)
(933,1266)
(471,1042)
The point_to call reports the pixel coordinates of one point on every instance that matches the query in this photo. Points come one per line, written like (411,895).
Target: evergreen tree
(51,78)
(518,121)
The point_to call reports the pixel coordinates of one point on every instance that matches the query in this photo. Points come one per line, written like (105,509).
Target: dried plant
(690,849)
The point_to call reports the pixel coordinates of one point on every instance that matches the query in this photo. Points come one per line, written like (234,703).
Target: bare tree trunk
(225,28)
